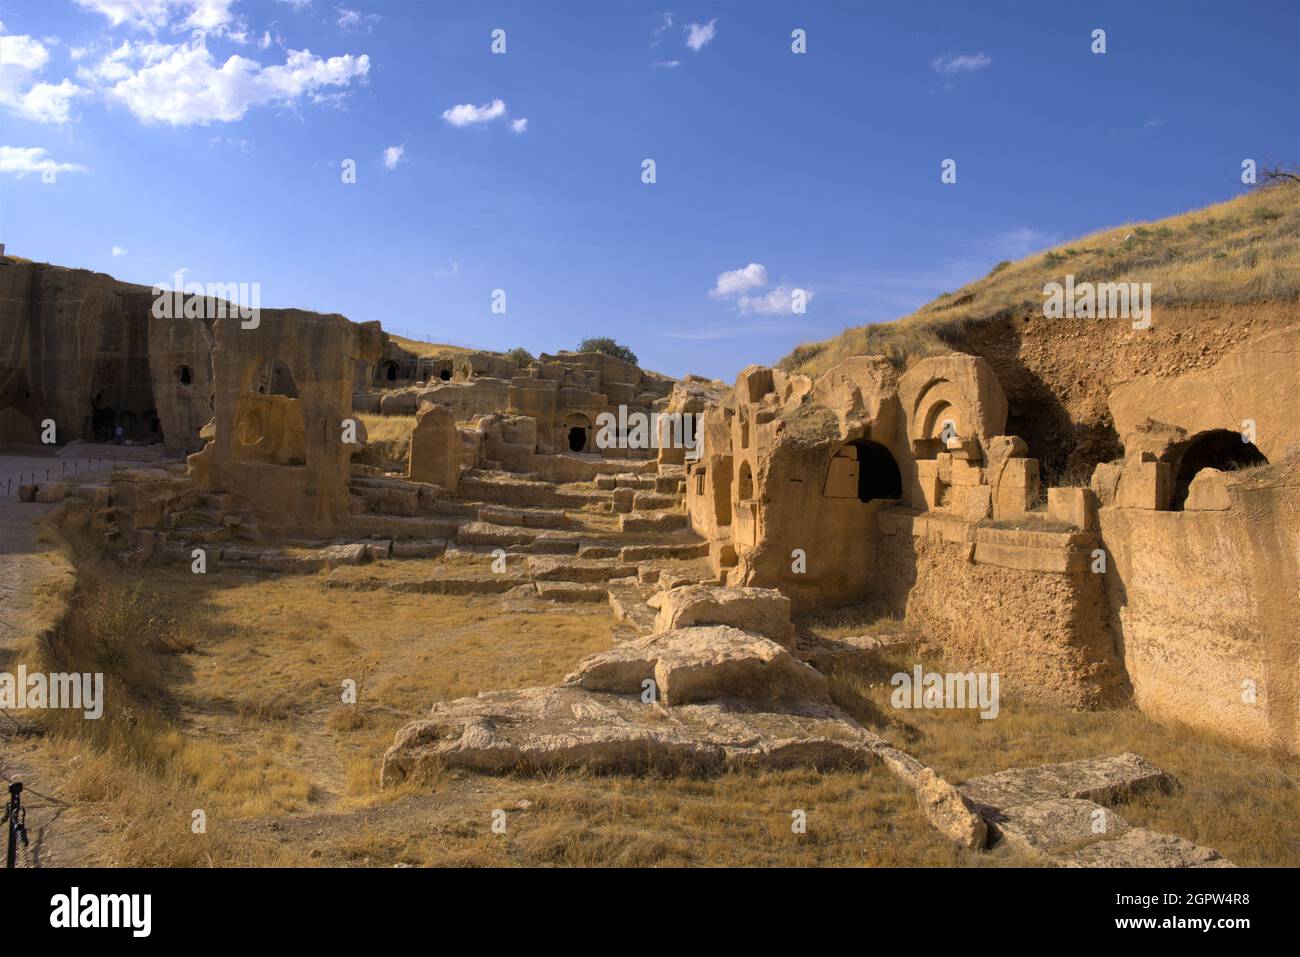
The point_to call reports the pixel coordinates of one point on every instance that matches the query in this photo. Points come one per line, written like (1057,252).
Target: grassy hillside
(417,348)
(1244,250)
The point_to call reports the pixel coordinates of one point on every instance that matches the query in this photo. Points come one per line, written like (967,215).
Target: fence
(26,477)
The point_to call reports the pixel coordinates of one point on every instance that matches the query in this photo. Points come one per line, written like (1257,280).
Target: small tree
(520,355)
(607,346)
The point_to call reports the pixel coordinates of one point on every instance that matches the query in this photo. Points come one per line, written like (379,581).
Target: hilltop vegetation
(1240,251)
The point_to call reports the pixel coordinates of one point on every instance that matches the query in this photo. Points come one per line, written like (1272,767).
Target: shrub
(520,355)
(999,267)
(607,346)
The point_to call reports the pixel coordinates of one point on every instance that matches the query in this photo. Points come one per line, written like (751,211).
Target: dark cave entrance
(878,474)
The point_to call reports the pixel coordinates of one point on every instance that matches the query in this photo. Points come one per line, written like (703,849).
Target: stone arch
(269,423)
(577,433)
(864,470)
(1220,449)
(271,377)
(386,371)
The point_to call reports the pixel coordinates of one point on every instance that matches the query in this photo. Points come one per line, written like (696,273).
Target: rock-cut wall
(84,350)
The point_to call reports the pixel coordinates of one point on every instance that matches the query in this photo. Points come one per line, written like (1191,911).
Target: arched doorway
(1217,449)
(577,433)
(878,475)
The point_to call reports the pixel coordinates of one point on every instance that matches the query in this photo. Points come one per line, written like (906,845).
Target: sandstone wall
(83,349)
(1207,606)
(1023,604)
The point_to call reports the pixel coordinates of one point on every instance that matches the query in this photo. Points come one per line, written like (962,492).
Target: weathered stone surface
(540,729)
(1056,826)
(577,570)
(654,522)
(570,591)
(949,812)
(1209,492)
(705,664)
(762,610)
(428,549)
(434,454)
(1094,779)
(1138,847)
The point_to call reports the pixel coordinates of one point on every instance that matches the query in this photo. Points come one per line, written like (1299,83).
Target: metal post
(12,814)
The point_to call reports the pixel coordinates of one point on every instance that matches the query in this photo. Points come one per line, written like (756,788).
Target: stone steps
(549,568)
(653,522)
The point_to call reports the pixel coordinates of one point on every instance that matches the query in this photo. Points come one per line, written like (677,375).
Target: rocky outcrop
(762,610)
(687,665)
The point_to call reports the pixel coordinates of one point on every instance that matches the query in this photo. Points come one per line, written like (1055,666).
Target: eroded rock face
(84,350)
(690,665)
(762,610)
(434,455)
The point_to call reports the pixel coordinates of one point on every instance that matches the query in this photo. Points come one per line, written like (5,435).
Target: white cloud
(738,281)
(665,22)
(669,64)
(520,124)
(966,63)
(393,155)
(120,251)
(779,301)
(154,15)
(737,284)
(698,35)
(183,85)
(467,114)
(22,58)
(243,145)
(353,21)
(21,160)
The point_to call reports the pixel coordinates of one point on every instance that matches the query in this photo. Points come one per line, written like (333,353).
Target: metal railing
(94,463)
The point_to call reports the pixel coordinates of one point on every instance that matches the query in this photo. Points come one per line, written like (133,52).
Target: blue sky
(821,169)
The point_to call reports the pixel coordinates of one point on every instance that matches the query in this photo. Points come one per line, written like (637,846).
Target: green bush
(607,346)
(520,355)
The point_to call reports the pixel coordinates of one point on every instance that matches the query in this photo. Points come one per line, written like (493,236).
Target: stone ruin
(1168,578)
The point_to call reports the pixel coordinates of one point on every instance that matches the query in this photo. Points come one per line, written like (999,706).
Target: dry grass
(227,699)
(1239,801)
(422,349)
(388,438)
(1244,250)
